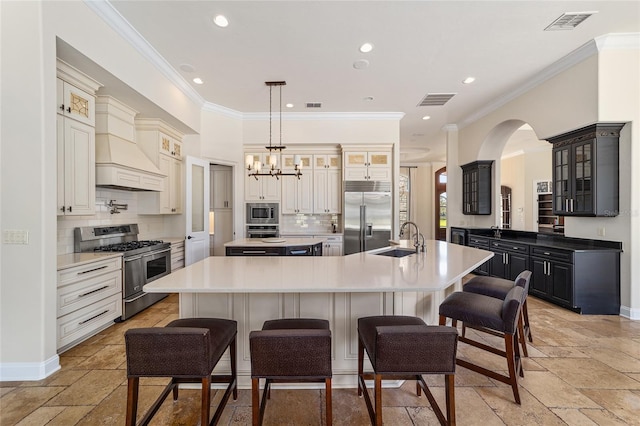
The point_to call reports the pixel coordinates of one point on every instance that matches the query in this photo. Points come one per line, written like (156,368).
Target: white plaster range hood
(120,164)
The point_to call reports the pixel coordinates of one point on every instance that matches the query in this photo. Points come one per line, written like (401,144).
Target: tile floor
(581,370)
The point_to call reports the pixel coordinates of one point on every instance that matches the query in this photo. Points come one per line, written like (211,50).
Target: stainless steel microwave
(263,213)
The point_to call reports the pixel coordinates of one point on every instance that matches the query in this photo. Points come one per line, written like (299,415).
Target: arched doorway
(441,204)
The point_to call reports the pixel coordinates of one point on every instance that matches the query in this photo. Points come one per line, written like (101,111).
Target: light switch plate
(15,236)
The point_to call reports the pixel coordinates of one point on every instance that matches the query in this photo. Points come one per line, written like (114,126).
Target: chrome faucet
(496,231)
(416,236)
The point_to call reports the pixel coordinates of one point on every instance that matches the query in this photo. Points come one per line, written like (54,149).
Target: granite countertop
(442,265)
(76,259)
(547,240)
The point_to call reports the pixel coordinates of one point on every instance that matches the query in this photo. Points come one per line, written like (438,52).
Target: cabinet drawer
(336,239)
(88,270)
(78,295)
(255,251)
(87,321)
(478,242)
(510,246)
(552,254)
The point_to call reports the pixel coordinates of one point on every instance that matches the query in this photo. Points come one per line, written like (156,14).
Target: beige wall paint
(513,176)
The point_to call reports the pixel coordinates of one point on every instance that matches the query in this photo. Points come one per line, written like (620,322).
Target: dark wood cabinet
(552,275)
(509,259)
(476,187)
(481,243)
(585,171)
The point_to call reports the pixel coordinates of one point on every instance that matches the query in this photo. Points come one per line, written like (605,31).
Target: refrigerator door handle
(368,230)
(363,216)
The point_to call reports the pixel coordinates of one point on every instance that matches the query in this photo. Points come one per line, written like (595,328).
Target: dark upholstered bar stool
(494,314)
(499,288)
(290,350)
(186,350)
(405,348)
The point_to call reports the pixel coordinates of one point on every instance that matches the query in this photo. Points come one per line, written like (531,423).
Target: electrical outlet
(601,232)
(15,236)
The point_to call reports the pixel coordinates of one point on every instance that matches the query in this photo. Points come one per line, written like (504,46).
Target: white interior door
(197,190)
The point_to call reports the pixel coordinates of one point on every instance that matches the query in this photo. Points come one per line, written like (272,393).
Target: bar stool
(186,350)
(290,350)
(498,288)
(405,348)
(494,314)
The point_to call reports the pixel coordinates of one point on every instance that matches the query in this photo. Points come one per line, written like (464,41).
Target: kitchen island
(252,289)
(274,247)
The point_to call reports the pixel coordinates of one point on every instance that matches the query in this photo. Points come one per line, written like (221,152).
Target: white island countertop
(436,269)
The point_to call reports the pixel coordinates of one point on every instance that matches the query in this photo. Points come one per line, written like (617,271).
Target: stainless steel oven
(263,231)
(263,213)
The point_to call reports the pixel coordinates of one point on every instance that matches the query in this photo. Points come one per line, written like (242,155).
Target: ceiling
(420,47)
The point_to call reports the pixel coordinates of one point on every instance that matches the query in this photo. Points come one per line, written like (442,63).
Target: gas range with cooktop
(144,261)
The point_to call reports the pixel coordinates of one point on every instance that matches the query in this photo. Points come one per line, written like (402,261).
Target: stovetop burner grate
(130,245)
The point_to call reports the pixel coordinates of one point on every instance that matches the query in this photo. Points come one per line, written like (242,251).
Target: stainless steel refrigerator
(367,215)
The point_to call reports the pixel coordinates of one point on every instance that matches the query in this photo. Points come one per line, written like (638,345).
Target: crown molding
(580,54)
(301,116)
(115,20)
(620,41)
(227,112)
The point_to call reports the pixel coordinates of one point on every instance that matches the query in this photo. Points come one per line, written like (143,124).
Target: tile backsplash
(309,223)
(151,226)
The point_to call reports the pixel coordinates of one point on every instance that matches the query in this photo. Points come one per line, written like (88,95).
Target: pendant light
(255,167)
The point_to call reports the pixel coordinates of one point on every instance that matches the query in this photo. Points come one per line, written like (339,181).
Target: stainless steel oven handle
(130,259)
(153,253)
(135,298)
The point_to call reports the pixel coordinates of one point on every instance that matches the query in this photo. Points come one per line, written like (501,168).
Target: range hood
(120,164)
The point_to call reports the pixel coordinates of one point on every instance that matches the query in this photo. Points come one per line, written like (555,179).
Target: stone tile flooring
(581,370)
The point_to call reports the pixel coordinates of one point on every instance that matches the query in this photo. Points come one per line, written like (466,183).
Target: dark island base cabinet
(299,250)
(584,281)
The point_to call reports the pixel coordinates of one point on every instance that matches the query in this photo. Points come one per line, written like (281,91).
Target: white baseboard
(633,314)
(28,371)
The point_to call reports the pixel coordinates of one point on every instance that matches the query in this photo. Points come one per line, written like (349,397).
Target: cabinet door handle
(62,107)
(69,209)
(62,209)
(572,205)
(93,317)
(93,291)
(69,109)
(566,205)
(93,270)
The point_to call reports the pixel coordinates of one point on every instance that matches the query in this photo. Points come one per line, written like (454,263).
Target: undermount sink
(396,252)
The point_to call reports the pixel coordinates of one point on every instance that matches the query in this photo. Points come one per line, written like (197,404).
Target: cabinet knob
(62,209)
(69,109)
(69,209)
(62,107)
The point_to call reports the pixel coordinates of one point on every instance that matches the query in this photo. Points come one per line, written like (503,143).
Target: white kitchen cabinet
(332,246)
(297,191)
(162,145)
(177,255)
(76,177)
(367,165)
(327,184)
(261,188)
(89,298)
(221,188)
(76,103)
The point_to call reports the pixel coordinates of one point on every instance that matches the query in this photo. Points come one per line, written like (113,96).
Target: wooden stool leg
(206,400)
(329,410)
(521,337)
(378,398)
(449,386)
(132,400)
(527,326)
(234,371)
(511,362)
(360,364)
(255,402)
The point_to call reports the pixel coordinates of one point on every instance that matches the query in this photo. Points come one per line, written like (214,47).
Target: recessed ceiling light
(469,80)
(367,98)
(426,117)
(221,21)
(187,68)
(366,48)
(289,105)
(361,64)
(198,80)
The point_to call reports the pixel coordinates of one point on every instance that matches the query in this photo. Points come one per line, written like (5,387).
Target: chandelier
(255,167)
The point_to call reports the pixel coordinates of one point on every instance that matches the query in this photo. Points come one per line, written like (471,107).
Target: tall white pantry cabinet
(76,140)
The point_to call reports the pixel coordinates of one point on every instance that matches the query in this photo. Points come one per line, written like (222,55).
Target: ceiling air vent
(314,104)
(568,21)
(436,99)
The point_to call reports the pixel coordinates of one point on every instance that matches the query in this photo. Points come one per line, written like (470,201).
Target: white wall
(513,175)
